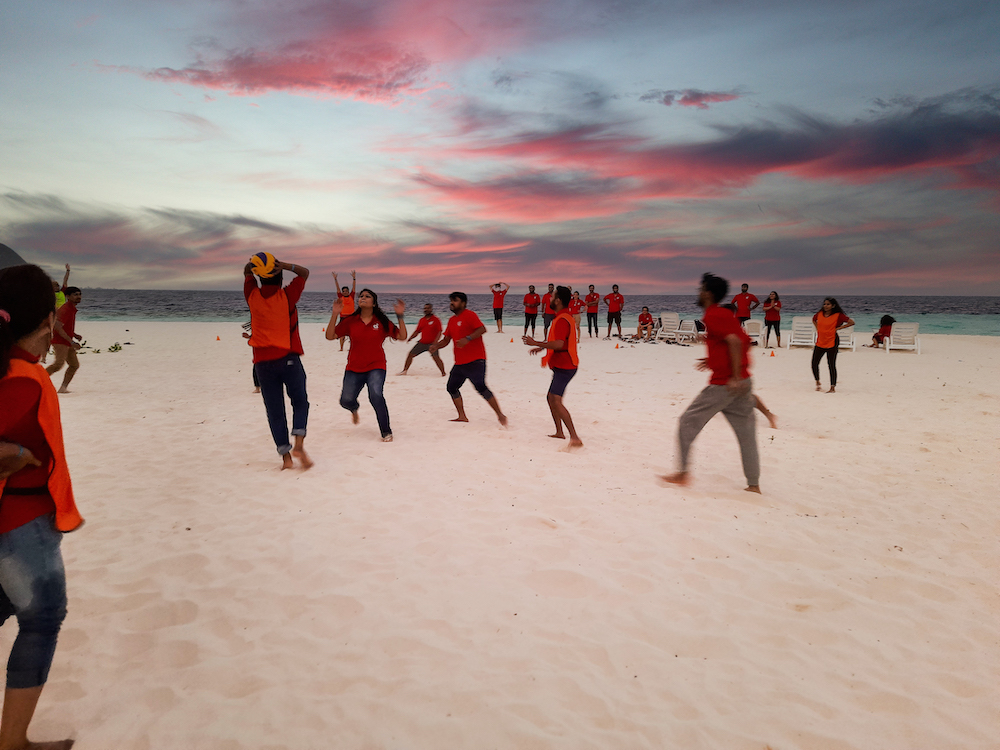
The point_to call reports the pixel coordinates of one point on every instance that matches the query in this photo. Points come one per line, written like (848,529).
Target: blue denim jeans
(374,379)
(32,587)
(277,376)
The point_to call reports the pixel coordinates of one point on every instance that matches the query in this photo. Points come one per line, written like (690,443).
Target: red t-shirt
(293,291)
(460,326)
(575,306)
(531,303)
(593,300)
(366,352)
(615,302)
(561,358)
(743,302)
(19,424)
(429,328)
(719,323)
(547,302)
(67,316)
(645,318)
(772,310)
(498,299)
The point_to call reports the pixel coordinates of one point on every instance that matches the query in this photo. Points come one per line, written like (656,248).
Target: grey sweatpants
(738,409)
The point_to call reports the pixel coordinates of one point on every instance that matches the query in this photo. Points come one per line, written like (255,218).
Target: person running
(745,303)
(884,331)
(277,352)
(561,357)
(36,498)
(499,291)
(65,339)
(593,301)
(466,330)
(645,324)
(346,298)
(772,318)
(60,292)
(429,330)
(367,328)
(730,388)
(531,303)
(830,319)
(575,309)
(615,303)
(548,314)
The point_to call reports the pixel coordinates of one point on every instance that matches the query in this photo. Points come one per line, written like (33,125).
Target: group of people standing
(575,308)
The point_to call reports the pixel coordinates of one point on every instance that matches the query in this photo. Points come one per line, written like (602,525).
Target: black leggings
(831,360)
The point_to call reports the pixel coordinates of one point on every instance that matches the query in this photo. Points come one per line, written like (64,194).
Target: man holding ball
(277,348)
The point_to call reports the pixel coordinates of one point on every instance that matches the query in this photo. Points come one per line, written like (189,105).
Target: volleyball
(263,264)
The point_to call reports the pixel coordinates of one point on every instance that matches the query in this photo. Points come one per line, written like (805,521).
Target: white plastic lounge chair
(803,332)
(903,336)
(668,326)
(686,330)
(755,330)
(847,339)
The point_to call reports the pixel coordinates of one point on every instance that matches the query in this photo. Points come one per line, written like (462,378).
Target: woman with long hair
(830,319)
(772,317)
(367,328)
(36,497)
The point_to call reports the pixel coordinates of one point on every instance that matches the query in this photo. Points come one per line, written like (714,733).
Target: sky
(809,147)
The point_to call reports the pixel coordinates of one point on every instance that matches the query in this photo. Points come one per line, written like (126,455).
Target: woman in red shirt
(37,504)
(828,321)
(772,317)
(367,328)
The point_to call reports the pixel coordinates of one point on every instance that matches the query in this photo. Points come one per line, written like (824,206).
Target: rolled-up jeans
(375,380)
(33,588)
(277,376)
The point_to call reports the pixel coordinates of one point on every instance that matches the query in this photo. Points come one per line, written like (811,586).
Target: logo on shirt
(375,326)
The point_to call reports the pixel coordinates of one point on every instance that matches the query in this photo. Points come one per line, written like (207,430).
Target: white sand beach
(472,587)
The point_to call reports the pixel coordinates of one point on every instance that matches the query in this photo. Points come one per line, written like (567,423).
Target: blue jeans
(32,587)
(374,379)
(276,376)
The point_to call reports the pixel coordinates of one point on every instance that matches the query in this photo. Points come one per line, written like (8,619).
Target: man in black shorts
(615,303)
(466,330)
(499,291)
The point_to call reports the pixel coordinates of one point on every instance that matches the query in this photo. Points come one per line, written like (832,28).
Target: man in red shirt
(65,338)
(277,348)
(645,324)
(428,329)
(730,389)
(531,303)
(745,303)
(593,300)
(466,330)
(499,291)
(562,359)
(548,314)
(615,303)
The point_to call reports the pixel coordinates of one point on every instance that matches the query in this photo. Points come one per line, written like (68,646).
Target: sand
(472,587)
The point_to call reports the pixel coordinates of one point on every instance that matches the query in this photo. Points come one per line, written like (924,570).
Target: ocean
(974,316)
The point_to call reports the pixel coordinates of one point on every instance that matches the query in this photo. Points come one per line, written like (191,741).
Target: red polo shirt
(547,303)
(429,328)
(67,316)
(498,298)
(367,339)
(719,323)
(743,302)
(561,358)
(593,300)
(615,302)
(575,306)
(460,326)
(645,318)
(531,303)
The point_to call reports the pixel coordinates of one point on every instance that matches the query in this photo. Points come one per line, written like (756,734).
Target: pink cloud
(690,97)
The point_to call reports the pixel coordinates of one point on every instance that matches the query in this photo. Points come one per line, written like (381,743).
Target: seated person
(645,324)
(885,329)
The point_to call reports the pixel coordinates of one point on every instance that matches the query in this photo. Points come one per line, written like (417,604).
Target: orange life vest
(59,484)
(570,342)
(271,320)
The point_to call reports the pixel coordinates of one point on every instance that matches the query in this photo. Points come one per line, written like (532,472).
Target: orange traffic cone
(324,329)
(512,341)
(772,354)
(217,338)
(616,346)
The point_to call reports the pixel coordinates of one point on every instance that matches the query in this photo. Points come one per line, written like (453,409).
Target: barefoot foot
(681,478)
(819,387)
(286,461)
(459,419)
(752,488)
(502,418)
(574,443)
(303,458)
(558,435)
(354,417)
(832,390)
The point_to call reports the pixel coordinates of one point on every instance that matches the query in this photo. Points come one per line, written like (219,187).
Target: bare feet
(63,390)
(401,372)
(303,458)
(256,390)
(574,443)
(387,439)
(818,386)
(286,461)
(502,419)
(753,488)
(681,478)
(354,417)
(558,435)
(459,419)
(832,390)
(771,420)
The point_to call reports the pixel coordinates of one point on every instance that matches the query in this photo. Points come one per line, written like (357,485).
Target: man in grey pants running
(730,389)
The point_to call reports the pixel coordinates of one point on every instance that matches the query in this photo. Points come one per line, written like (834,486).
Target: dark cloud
(690,97)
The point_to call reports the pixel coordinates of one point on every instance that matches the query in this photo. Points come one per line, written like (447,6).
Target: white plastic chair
(686,330)
(803,332)
(847,339)
(903,336)
(755,331)
(668,326)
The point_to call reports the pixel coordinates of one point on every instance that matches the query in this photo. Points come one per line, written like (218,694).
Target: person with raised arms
(37,506)
(562,358)
(367,328)
(531,303)
(466,330)
(730,389)
(429,330)
(593,301)
(346,297)
(65,339)
(499,291)
(277,350)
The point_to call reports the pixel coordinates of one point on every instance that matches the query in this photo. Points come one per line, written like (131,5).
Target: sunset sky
(839,147)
